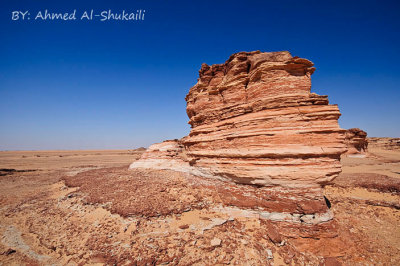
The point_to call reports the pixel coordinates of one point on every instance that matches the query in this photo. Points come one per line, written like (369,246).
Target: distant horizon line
(111,149)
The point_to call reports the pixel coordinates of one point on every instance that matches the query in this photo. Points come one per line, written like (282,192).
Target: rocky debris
(139,193)
(378,182)
(370,219)
(385,143)
(155,193)
(356,141)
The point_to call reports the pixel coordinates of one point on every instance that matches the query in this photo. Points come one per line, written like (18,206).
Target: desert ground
(87,208)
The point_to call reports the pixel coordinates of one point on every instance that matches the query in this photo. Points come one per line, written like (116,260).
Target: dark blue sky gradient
(111,85)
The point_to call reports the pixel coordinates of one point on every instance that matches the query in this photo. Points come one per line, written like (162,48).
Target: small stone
(10,251)
(184,226)
(216,242)
(273,234)
(270,256)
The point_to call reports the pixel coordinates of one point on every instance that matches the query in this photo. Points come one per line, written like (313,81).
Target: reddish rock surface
(356,141)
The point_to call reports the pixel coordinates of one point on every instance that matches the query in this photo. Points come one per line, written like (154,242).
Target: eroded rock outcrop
(254,121)
(356,141)
(385,143)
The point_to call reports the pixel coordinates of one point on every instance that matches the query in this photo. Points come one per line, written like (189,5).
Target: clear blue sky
(112,85)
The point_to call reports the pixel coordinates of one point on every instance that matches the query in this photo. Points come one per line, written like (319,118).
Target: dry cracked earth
(87,208)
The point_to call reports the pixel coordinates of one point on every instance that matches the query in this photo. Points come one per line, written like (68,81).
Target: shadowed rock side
(254,121)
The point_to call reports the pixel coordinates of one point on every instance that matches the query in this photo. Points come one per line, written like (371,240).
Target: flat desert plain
(86,207)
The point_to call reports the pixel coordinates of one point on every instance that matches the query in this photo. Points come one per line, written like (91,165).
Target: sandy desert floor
(85,207)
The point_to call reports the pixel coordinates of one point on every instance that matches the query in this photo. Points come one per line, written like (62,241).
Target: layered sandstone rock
(356,141)
(385,143)
(165,155)
(254,121)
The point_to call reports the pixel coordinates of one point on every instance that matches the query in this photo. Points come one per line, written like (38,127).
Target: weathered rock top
(356,141)
(243,82)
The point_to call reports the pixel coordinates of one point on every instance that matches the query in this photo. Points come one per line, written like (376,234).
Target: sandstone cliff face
(356,141)
(254,121)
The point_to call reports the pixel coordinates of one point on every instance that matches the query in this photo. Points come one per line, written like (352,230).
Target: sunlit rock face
(255,121)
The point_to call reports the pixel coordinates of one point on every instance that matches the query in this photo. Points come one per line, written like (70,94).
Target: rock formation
(254,121)
(356,141)
(385,143)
